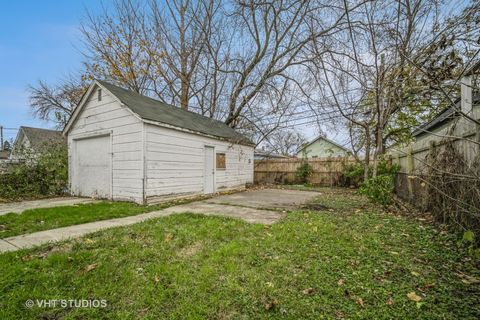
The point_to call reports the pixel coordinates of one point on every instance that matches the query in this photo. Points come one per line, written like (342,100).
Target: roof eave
(169,126)
(84,99)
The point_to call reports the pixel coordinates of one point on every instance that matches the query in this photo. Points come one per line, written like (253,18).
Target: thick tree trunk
(183,62)
(366,163)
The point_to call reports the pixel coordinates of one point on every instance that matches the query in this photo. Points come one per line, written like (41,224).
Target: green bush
(386,168)
(304,172)
(354,173)
(379,189)
(45,175)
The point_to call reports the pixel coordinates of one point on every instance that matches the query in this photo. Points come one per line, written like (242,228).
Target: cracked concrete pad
(19,207)
(275,199)
(247,214)
(5,246)
(70,232)
(244,205)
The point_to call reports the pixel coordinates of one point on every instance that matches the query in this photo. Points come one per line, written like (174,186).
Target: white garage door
(92,167)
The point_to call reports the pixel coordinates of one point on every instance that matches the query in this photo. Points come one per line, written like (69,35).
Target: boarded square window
(221,164)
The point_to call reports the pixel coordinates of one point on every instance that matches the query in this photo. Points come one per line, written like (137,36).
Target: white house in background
(31,142)
(125,146)
(322,147)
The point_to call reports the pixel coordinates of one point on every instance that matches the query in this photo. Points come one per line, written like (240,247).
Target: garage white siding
(175,163)
(109,117)
(125,146)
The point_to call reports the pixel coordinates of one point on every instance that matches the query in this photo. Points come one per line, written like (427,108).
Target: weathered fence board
(417,164)
(326,171)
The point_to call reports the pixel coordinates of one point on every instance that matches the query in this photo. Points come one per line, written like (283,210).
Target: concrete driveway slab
(248,206)
(251,215)
(75,231)
(5,246)
(275,199)
(19,207)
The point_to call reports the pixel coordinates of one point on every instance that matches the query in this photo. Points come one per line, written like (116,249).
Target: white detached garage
(125,146)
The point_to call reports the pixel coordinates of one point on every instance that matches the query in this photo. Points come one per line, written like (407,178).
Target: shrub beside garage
(37,177)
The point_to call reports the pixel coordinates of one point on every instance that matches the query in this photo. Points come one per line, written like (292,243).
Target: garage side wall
(175,164)
(108,116)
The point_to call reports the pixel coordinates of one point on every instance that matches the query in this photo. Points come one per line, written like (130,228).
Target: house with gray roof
(321,147)
(452,121)
(126,146)
(457,124)
(32,142)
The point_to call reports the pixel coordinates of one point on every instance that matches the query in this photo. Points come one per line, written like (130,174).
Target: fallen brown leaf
(360,302)
(271,304)
(90,267)
(308,291)
(414,297)
(389,301)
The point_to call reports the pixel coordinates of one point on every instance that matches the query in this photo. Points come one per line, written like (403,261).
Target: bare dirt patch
(190,250)
(315,207)
(66,247)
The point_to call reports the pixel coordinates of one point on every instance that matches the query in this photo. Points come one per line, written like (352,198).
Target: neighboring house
(322,147)
(435,129)
(125,146)
(450,125)
(265,155)
(31,142)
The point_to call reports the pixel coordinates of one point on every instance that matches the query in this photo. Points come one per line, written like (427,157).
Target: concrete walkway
(19,207)
(265,206)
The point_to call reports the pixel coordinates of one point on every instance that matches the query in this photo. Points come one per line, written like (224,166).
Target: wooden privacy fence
(326,171)
(419,165)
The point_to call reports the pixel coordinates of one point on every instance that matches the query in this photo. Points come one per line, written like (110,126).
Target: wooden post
(410,169)
(477,135)
(477,138)
(432,152)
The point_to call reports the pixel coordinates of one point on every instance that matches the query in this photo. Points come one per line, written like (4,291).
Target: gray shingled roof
(445,116)
(39,138)
(154,110)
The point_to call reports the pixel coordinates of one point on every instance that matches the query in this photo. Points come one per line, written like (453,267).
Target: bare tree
(115,46)
(56,103)
(243,62)
(285,142)
(367,72)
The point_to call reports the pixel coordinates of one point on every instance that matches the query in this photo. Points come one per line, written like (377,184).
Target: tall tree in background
(285,142)
(56,103)
(242,62)
(369,71)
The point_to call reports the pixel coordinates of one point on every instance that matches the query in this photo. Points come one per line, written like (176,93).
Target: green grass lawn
(349,260)
(34,220)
